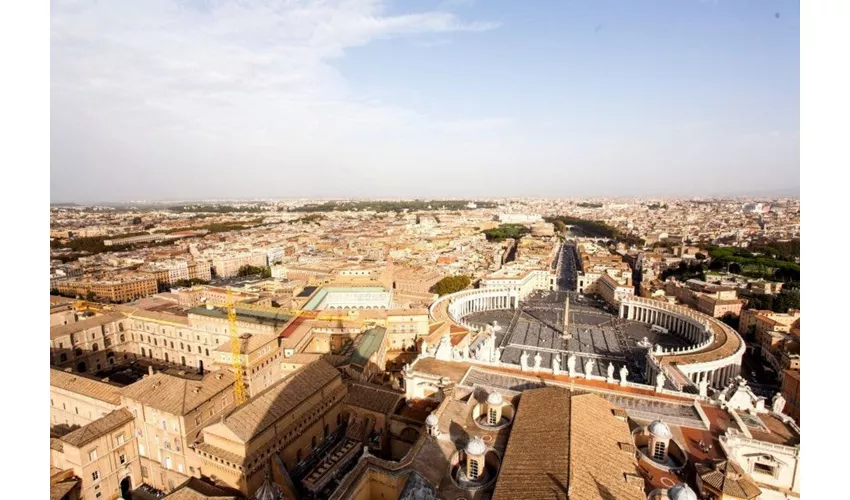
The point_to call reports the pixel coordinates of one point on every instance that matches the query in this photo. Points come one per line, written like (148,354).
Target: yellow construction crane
(239,394)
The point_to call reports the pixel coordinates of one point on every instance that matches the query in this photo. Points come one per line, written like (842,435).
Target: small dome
(431,420)
(476,446)
(681,492)
(660,430)
(494,399)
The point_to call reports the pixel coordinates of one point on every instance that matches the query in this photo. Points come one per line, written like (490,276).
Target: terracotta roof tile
(89,432)
(178,395)
(85,386)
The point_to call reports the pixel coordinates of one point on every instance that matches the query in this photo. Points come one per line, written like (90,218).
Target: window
(51,401)
(60,345)
(168,463)
(122,338)
(93,454)
(473,469)
(63,357)
(492,417)
(141,450)
(95,475)
(172,344)
(144,471)
(122,459)
(199,349)
(76,410)
(78,352)
(94,347)
(208,351)
(659,451)
(765,469)
(119,439)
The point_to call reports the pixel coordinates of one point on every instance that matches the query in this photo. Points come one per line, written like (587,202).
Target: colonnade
(463,303)
(697,328)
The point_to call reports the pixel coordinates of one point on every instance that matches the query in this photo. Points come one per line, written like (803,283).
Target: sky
(201,99)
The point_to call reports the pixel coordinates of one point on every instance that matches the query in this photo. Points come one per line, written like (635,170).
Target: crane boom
(239,395)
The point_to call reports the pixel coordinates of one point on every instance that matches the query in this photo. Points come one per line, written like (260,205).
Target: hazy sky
(191,99)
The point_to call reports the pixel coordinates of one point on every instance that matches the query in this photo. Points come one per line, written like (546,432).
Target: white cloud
(252,73)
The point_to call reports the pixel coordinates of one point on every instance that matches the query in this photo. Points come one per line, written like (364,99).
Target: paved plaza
(594,334)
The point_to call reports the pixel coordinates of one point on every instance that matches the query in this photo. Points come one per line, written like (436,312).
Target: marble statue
(659,381)
(703,387)
(523,361)
(610,378)
(778,403)
(571,365)
(444,349)
(624,372)
(497,355)
(538,359)
(588,368)
(465,352)
(424,347)
(556,364)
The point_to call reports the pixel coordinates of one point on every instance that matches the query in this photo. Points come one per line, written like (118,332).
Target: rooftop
(177,395)
(89,432)
(270,405)
(85,386)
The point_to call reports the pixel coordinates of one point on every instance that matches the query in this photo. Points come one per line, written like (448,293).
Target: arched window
(94,347)
(63,357)
(166,357)
(78,352)
(122,338)
(183,360)
(121,327)
(172,344)
(208,351)
(150,353)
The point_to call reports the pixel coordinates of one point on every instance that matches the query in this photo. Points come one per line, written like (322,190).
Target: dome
(681,492)
(660,430)
(431,420)
(269,490)
(476,446)
(494,399)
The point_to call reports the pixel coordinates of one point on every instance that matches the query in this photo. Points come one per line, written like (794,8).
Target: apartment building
(522,281)
(103,454)
(168,413)
(79,400)
(286,422)
(115,291)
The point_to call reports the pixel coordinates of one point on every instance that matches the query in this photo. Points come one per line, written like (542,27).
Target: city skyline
(164,100)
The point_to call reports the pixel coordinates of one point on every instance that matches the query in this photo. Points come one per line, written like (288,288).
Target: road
(568,270)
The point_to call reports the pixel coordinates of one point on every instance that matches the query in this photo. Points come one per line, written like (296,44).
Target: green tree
(90,296)
(450,284)
(560,226)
